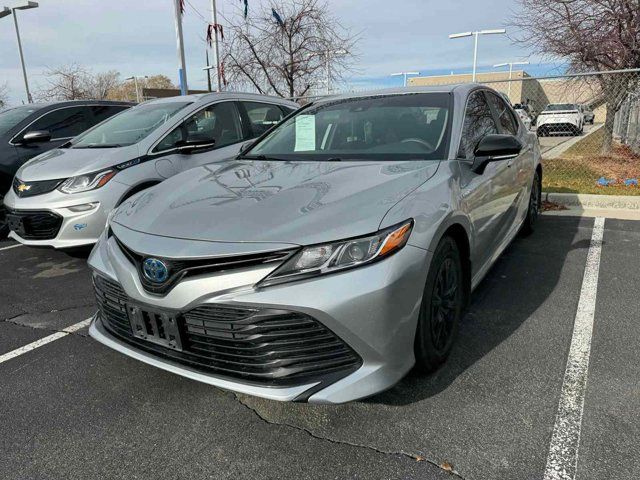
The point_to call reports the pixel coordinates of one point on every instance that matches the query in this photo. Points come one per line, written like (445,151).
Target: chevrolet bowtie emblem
(23,188)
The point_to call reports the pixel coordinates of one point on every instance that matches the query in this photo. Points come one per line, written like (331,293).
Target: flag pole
(216,52)
(182,65)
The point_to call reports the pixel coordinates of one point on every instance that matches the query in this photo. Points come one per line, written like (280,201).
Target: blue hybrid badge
(155,270)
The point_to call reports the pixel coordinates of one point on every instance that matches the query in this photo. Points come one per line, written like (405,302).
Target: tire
(535,202)
(4,227)
(445,281)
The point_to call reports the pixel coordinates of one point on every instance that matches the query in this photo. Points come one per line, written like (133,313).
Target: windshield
(10,118)
(130,126)
(391,127)
(561,106)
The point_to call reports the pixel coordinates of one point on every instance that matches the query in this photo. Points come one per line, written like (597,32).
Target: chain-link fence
(588,125)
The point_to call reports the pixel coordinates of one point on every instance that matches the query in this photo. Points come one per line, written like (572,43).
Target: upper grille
(31,189)
(34,225)
(263,346)
(179,269)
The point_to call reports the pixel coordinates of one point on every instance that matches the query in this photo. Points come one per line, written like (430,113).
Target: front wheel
(4,226)
(535,204)
(442,307)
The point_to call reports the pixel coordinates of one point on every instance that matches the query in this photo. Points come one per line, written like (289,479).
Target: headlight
(84,183)
(335,256)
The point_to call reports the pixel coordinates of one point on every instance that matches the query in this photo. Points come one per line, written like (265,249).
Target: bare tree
(4,95)
(68,82)
(100,85)
(74,82)
(287,53)
(593,35)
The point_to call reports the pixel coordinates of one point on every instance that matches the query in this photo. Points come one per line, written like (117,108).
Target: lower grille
(262,346)
(34,225)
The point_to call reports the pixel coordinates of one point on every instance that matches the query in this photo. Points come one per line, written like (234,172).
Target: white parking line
(562,460)
(43,341)
(11,246)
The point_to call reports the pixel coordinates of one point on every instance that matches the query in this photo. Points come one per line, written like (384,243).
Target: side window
(63,123)
(287,110)
(478,122)
(262,116)
(102,112)
(508,123)
(219,123)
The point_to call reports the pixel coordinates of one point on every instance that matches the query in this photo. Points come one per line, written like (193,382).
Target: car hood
(299,203)
(69,162)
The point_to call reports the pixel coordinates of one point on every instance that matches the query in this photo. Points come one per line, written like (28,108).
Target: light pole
(327,56)
(216,53)
(510,64)
(208,69)
(404,75)
(476,34)
(135,82)
(8,11)
(182,65)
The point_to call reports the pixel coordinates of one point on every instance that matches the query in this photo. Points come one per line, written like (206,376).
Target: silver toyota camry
(332,256)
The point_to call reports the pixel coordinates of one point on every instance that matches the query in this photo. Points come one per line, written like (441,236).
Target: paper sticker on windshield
(305,133)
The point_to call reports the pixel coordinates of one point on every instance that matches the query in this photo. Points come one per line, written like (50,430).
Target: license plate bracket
(156,327)
(16,223)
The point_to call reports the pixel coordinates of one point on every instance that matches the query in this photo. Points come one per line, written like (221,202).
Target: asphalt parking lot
(74,409)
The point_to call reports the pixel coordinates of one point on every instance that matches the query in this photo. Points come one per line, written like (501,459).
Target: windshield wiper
(101,145)
(261,157)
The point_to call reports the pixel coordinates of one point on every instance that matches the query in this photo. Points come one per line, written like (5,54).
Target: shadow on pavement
(532,266)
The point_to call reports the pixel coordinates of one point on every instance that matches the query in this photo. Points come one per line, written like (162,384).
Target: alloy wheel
(444,304)
(534,201)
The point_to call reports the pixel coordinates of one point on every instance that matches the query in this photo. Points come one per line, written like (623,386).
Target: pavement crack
(401,453)
(14,320)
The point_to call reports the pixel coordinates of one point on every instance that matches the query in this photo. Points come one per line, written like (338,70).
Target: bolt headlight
(335,256)
(84,183)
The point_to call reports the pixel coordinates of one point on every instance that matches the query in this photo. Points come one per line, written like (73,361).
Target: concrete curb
(587,201)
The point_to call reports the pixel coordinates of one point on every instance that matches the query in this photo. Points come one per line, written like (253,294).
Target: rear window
(556,107)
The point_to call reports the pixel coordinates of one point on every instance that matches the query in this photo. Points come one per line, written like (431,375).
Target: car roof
(69,103)
(458,88)
(208,97)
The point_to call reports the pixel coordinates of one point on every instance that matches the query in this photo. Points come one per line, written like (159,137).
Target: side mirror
(494,148)
(191,145)
(245,146)
(36,136)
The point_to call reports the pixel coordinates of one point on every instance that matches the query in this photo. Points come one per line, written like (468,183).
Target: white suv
(560,119)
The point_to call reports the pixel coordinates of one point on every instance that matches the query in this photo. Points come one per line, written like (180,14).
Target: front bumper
(558,124)
(76,228)
(372,309)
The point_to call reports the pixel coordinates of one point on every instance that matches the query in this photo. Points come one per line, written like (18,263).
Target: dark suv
(30,130)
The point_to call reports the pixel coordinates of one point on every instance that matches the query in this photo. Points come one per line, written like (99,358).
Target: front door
(217,124)
(487,196)
(63,124)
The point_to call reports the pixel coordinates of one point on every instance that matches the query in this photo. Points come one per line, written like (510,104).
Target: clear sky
(138,37)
